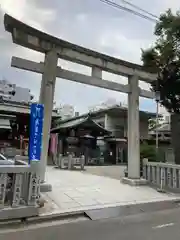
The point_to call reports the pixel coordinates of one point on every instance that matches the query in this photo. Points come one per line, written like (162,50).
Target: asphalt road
(162,225)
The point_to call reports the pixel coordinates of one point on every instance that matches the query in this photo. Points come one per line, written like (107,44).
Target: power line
(118,6)
(115,5)
(138,8)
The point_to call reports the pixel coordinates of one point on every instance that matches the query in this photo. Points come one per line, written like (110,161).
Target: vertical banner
(53,143)
(36,128)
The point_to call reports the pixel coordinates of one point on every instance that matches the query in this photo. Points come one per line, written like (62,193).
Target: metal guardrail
(163,175)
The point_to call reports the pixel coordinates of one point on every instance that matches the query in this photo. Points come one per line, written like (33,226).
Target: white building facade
(14,93)
(65,111)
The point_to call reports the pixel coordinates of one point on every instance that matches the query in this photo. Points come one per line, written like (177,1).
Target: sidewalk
(74,191)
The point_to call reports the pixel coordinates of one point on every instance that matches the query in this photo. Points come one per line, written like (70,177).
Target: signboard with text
(36,127)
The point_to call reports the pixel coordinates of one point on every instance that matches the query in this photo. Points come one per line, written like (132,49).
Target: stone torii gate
(55,48)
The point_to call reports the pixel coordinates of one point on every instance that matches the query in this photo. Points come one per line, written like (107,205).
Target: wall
(119,126)
(14,93)
(143,128)
(21,95)
(6,89)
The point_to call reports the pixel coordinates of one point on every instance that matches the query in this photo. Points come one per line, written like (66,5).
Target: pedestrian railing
(163,175)
(70,162)
(19,191)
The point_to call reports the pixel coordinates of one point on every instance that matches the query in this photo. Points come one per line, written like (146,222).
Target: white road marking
(163,226)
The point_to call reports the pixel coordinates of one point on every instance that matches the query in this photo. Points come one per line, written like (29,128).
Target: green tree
(152,123)
(148,151)
(163,58)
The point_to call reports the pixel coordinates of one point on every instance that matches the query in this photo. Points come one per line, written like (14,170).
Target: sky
(89,23)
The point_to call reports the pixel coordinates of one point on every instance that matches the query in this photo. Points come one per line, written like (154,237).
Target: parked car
(5,161)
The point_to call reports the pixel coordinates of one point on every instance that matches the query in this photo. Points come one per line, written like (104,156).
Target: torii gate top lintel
(29,37)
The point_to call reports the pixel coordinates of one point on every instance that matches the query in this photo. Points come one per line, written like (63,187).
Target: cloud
(89,23)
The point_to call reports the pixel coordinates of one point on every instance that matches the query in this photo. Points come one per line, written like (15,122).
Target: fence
(19,191)
(163,175)
(70,162)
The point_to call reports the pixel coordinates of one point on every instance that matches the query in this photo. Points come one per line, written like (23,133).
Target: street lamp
(157,99)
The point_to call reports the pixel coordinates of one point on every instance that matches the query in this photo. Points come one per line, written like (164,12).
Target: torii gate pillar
(133,134)
(133,129)
(46,97)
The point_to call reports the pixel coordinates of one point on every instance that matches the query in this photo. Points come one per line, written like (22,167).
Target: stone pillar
(133,129)
(96,72)
(46,98)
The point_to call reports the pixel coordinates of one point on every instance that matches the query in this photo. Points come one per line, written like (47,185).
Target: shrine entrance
(54,48)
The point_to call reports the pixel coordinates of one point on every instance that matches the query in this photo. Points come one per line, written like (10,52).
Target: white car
(5,161)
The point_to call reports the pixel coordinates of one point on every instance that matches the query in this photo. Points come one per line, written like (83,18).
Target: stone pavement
(113,171)
(75,191)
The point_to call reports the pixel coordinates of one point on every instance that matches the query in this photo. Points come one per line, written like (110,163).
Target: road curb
(86,213)
(41,219)
(56,216)
(132,209)
(83,213)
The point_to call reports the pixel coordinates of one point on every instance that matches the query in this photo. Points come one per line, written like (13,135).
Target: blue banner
(36,128)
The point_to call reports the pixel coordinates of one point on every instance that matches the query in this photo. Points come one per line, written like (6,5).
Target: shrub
(148,151)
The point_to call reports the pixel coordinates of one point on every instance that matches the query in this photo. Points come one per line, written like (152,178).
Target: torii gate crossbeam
(92,80)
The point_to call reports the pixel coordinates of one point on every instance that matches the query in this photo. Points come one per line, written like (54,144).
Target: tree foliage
(163,58)
(148,151)
(152,123)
